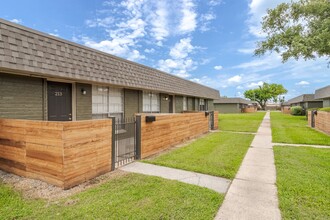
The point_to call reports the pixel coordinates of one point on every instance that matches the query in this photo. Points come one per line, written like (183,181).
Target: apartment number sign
(58,93)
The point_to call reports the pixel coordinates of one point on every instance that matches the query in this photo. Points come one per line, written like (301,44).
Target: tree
(298,29)
(265,93)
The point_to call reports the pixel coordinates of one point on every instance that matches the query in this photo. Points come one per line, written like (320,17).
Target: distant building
(323,95)
(285,108)
(234,105)
(272,106)
(306,101)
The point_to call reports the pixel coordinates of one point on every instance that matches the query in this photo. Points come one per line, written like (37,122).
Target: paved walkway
(217,184)
(300,145)
(235,132)
(253,193)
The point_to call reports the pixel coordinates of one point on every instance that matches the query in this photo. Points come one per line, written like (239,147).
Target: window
(99,100)
(184,103)
(151,102)
(107,101)
(201,104)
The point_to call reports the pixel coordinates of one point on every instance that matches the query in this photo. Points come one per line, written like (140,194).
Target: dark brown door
(59,101)
(170,103)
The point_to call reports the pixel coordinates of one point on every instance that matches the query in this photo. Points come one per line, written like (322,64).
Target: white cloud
(17,21)
(205,20)
(188,21)
(207,81)
(181,49)
(116,46)
(159,21)
(179,67)
(100,22)
(254,84)
(235,79)
(132,23)
(218,67)
(124,36)
(258,9)
(303,83)
(239,94)
(152,50)
(240,87)
(246,50)
(180,63)
(54,34)
(266,62)
(214,2)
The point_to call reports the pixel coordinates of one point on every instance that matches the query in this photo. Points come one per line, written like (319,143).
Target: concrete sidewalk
(217,184)
(253,193)
(301,145)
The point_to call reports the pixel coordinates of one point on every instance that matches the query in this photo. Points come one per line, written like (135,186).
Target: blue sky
(207,41)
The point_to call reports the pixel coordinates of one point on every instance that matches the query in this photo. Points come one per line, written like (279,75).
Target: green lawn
(248,122)
(294,130)
(303,182)
(218,154)
(132,196)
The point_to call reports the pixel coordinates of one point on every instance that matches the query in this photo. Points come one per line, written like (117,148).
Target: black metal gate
(126,141)
(211,120)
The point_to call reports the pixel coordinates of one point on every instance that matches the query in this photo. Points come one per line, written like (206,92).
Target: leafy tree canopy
(299,29)
(265,93)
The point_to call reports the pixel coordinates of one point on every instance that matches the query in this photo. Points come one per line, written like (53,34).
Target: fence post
(113,144)
(138,137)
(211,120)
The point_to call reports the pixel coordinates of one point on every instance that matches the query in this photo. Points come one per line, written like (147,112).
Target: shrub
(297,110)
(327,109)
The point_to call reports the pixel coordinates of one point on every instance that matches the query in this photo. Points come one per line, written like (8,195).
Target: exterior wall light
(83,92)
(165,98)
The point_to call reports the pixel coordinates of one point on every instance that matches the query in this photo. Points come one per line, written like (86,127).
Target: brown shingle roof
(232,101)
(302,98)
(27,51)
(322,93)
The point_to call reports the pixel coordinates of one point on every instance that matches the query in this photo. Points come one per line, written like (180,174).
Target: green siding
(178,104)
(21,97)
(164,104)
(132,100)
(210,105)
(314,104)
(326,103)
(190,104)
(140,101)
(196,108)
(84,102)
(227,108)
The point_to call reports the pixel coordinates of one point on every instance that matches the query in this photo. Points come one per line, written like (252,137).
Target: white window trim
(107,105)
(148,96)
(185,103)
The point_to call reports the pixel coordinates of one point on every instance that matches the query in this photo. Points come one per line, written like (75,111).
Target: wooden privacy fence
(170,129)
(61,153)
(286,109)
(66,154)
(321,121)
(249,109)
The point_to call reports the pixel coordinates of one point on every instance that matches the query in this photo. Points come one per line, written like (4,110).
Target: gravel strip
(36,189)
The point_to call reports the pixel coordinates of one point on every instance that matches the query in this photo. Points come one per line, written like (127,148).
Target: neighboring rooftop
(30,52)
(232,101)
(302,98)
(322,92)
